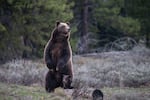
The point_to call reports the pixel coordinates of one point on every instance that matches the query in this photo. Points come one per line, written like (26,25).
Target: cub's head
(63,28)
(67,82)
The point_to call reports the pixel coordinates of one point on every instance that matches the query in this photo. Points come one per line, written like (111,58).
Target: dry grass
(23,72)
(109,69)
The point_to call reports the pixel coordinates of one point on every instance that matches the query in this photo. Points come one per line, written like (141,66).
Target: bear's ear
(68,23)
(57,23)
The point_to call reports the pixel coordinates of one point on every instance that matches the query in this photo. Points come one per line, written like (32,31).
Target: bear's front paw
(59,68)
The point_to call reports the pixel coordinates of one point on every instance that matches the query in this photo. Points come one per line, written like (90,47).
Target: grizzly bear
(58,58)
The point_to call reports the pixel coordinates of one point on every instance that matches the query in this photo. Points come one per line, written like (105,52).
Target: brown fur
(58,55)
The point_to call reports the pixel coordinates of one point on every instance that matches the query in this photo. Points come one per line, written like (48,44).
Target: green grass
(10,92)
(18,92)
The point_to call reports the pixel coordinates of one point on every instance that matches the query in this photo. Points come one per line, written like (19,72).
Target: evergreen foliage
(139,9)
(25,25)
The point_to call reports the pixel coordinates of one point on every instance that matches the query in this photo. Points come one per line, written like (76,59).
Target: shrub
(124,69)
(23,72)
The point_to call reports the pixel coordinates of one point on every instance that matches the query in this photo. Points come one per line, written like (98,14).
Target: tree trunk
(83,45)
(147,39)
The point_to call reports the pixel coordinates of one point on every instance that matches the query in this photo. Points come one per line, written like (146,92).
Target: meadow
(123,75)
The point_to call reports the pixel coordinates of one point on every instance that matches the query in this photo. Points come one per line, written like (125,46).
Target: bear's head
(63,28)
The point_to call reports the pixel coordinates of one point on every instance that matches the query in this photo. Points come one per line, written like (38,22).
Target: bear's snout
(69,29)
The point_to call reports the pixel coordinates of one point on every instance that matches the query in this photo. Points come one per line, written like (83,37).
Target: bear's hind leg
(50,82)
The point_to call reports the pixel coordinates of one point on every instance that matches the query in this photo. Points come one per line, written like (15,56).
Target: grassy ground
(18,92)
(120,75)
(142,93)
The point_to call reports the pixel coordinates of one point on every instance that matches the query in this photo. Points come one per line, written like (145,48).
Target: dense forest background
(97,25)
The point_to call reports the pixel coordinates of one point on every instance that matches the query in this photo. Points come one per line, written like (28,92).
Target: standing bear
(58,58)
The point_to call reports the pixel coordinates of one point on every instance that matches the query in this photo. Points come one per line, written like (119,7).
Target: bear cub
(58,58)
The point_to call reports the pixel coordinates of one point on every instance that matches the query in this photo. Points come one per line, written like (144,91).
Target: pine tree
(25,25)
(140,9)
